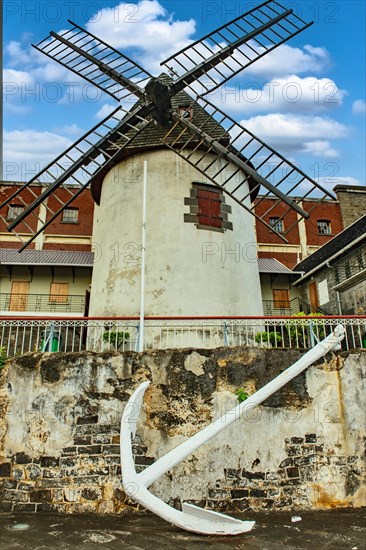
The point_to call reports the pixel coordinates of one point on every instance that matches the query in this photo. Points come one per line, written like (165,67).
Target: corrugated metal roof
(9,256)
(271,265)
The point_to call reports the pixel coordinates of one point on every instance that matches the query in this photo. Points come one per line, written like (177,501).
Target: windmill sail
(86,55)
(73,169)
(224,53)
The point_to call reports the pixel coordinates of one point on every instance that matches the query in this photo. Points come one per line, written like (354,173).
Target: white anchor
(193,518)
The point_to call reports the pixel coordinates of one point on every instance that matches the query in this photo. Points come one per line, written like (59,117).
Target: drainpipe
(326,262)
(339,303)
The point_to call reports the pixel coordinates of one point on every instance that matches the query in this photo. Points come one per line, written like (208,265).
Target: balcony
(21,304)
(281,308)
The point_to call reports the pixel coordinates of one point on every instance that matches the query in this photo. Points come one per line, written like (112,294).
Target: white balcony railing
(21,335)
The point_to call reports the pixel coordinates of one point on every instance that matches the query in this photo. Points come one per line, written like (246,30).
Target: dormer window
(185,111)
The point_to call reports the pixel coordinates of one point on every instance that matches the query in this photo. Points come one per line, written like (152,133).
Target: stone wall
(351,201)
(59,430)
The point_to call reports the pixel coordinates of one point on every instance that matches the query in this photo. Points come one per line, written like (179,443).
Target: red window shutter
(209,208)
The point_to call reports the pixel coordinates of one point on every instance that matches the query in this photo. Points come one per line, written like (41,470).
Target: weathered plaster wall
(60,414)
(189,271)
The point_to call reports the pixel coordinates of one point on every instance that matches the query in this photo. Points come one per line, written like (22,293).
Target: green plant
(117,339)
(274,338)
(299,330)
(3,356)
(242,394)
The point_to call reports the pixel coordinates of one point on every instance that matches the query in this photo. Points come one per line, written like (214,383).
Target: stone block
(49,462)
(102,438)
(15,496)
(91,493)
(51,473)
(111,449)
(293,472)
(90,450)
(33,471)
(41,495)
(5,469)
(87,420)
(83,440)
(22,458)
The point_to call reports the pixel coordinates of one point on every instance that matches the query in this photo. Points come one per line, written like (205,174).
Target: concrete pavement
(325,530)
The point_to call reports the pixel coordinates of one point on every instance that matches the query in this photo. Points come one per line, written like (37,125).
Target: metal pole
(1,96)
(143,250)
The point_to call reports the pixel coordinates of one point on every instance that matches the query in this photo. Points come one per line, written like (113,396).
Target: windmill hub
(159,93)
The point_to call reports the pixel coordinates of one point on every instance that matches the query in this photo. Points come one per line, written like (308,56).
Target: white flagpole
(143,251)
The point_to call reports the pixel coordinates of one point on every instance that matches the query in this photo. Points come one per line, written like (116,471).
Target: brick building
(327,219)
(70,231)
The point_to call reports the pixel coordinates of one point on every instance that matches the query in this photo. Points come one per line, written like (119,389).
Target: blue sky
(307,99)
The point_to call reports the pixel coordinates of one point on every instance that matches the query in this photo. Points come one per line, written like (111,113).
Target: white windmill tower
(204,170)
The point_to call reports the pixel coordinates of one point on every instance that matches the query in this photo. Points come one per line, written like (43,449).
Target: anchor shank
(173,457)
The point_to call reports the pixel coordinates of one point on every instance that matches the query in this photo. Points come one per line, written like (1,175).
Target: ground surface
(331,530)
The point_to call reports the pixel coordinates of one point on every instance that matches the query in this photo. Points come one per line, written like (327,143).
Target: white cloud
(105,110)
(287,60)
(17,78)
(320,148)
(151,30)
(359,107)
(297,133)
(27,152)
(18,55)
(70,130)
(289,94)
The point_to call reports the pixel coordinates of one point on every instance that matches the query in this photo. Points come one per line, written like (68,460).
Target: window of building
(14,211)
(70,215)
(19,296)
(281,298)
(336,275)
(209,208)
(185,111)
(277,225)
(324,227)
(360,261)
(347,269)
(59,293)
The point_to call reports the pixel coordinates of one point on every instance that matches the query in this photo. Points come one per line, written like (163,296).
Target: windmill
(172,117)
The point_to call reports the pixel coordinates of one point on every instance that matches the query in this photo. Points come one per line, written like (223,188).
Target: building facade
(334,277)
(305,238)
(37,277)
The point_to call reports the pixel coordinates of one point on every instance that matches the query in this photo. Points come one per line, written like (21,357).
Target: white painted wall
(189,271)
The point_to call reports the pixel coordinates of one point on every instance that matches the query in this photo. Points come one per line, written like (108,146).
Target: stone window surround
(192,202)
